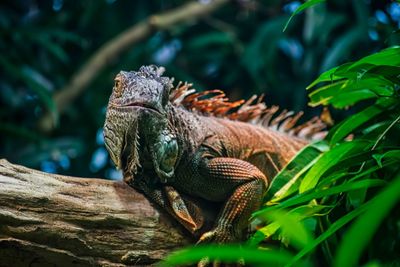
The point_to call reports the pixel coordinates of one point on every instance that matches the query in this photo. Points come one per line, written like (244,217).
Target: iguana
(199,156)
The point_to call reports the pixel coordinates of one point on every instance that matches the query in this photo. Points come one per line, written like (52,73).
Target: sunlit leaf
(387,57)
(299,214)
(329,159)
(308,196)
(349,125)
(289,175)
(291,227)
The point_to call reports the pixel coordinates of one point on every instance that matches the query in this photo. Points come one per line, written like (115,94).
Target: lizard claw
(218,235)
(206,262)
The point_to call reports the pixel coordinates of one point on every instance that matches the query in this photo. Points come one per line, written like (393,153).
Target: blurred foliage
(337,202)
(241,49)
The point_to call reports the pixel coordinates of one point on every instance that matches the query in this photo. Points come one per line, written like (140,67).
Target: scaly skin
(188,163)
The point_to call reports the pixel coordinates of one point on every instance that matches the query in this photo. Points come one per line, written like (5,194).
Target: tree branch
(115,47)
(54,220)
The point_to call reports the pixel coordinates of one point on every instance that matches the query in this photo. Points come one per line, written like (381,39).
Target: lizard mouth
(141,105)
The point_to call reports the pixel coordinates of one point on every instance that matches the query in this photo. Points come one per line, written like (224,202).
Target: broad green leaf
(229,253)
(363,229)
(286,178)
(348,71)
(329,159)
(305,5)
(327,76)
(349,98)
(350,162)
(322,95)
(348,92)
(332,178)
(390,73)
(293,184)
(349,125)
(355,175)
(311,195)
(389,56)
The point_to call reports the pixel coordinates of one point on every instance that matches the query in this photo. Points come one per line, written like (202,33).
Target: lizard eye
(118,87)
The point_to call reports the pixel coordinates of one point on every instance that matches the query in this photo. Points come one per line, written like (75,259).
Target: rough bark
(54,220)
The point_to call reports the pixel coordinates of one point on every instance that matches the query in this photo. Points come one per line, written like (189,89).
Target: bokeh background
(240,48)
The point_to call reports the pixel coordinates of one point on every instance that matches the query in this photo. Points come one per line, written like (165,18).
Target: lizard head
(137,121)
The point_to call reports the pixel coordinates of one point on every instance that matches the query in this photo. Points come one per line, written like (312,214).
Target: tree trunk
(54,220)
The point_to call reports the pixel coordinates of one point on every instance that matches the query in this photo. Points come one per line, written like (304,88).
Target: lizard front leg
(243,185)
(182,209)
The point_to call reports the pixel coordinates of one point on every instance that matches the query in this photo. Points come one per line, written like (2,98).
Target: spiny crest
(215,103)
(155,73)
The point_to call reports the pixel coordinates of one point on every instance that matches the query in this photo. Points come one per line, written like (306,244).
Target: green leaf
(305,5)
(323,95)
(362,230)
(299,214)
(358,174)
(350,161)
(391,73)
(348,92)
(228,253)
(327,76)
(346,99)
(311,195)
(289,175)
(389,57)
(334,227)
(357,197)
(391,155)
(349,125)
(293,230)
(329,159)
(378,63)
